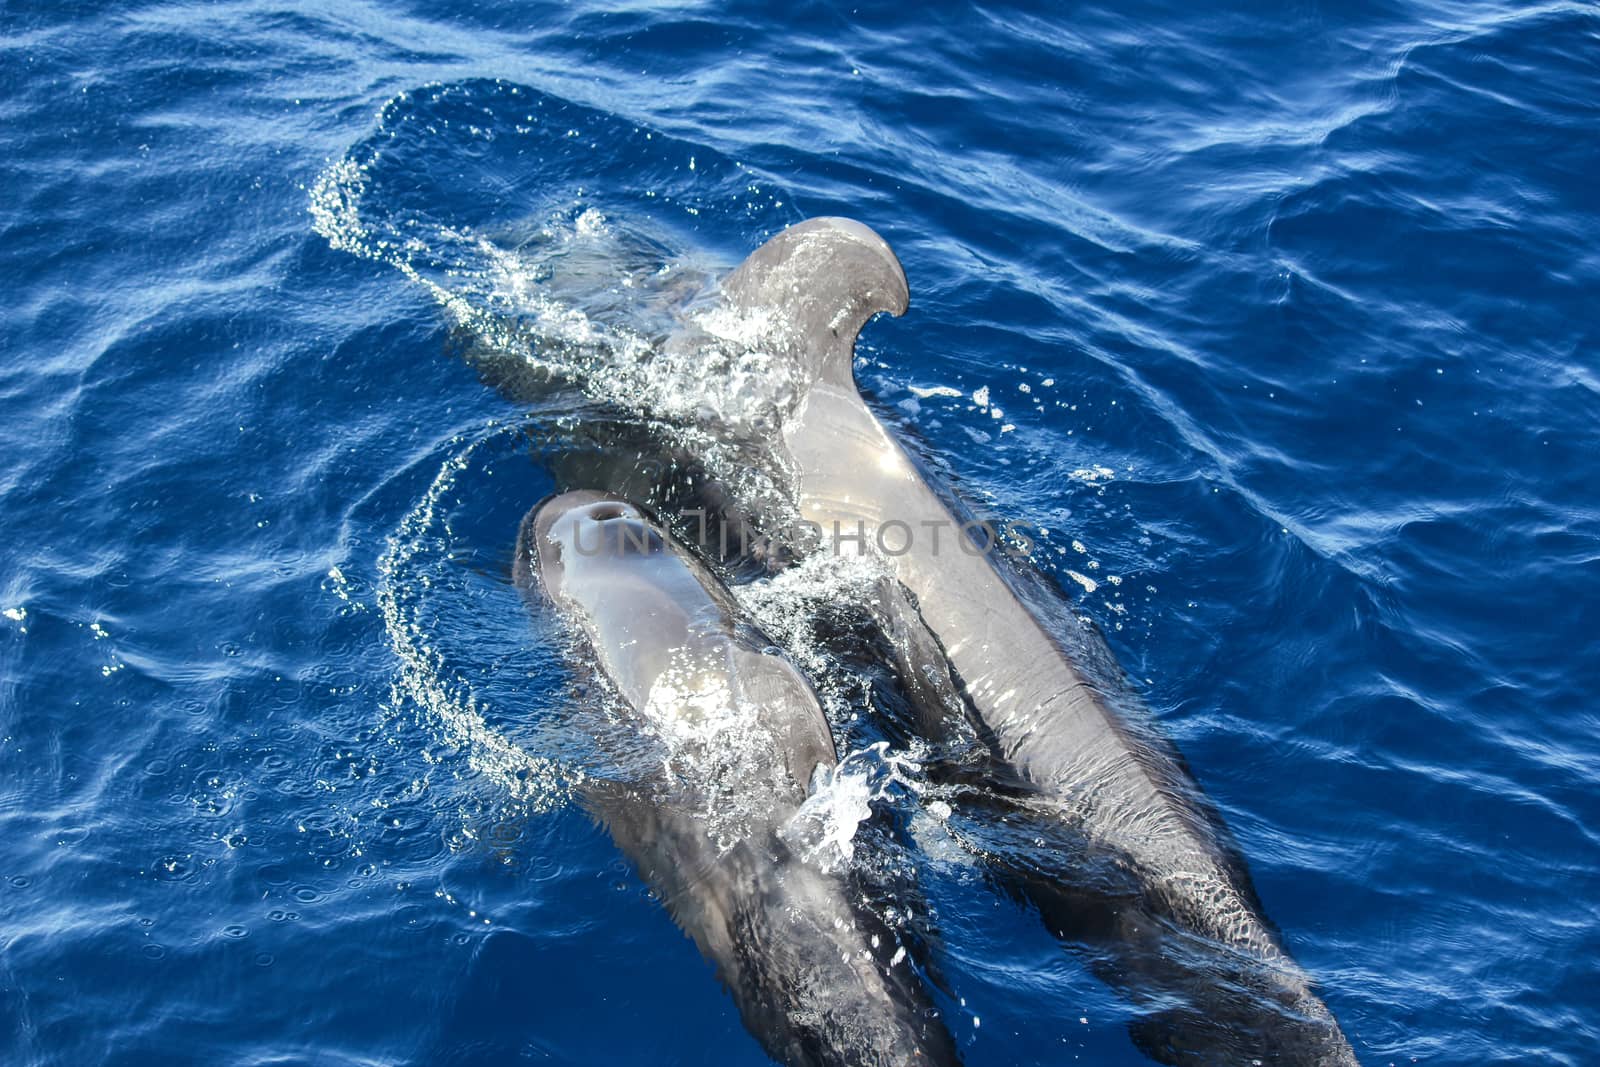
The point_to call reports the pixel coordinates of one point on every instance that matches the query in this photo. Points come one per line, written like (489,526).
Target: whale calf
(1167,909)
(816,979)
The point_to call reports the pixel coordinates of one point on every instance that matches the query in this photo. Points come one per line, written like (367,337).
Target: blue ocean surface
(1277,323)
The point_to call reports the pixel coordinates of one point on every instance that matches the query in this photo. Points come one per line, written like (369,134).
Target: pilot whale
(816,979)
(1169,914)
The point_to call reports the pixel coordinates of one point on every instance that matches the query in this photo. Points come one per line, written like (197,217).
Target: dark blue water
(1279,318)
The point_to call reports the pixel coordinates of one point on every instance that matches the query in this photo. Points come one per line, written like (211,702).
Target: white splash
(824,828)
(789,605)
(448,701)
(1088,583)
(586,303)
(716,745)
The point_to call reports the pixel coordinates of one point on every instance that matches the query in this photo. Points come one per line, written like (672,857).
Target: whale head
(580,531)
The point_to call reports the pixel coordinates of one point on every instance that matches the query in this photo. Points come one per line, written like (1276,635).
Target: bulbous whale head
(584,530)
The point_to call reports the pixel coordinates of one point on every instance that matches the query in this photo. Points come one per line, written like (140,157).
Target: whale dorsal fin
(814,286)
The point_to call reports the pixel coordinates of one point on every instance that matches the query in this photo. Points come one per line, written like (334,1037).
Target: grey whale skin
(811,974)
(1182,932)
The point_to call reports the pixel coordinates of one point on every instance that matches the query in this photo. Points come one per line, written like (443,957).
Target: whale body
(817,980)
(1168,911)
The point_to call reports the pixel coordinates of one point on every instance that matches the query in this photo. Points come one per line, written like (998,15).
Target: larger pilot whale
(1154,886)
(816,979)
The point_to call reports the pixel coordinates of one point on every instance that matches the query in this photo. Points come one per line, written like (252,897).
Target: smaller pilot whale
(812,975)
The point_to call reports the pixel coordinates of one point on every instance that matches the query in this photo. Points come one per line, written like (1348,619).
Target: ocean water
(1278,319)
